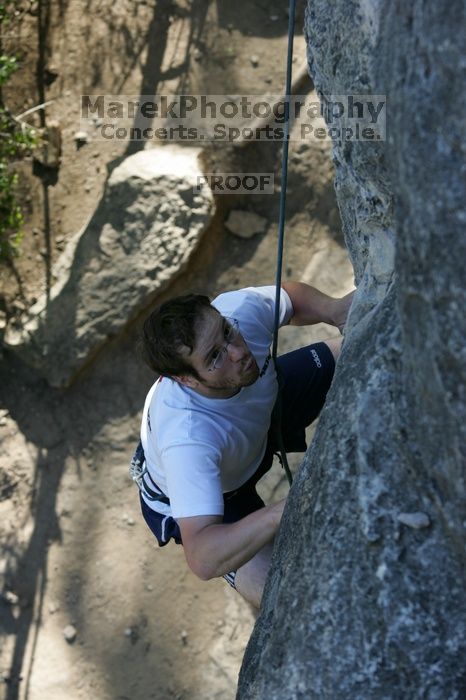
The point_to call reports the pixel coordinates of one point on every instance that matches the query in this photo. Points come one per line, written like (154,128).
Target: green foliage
(8,65)
(11,217)
(16,140)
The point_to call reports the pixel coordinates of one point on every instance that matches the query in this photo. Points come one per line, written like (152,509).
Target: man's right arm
(214,548)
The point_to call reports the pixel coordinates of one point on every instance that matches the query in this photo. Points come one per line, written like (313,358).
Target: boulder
(150,220)
(366,598)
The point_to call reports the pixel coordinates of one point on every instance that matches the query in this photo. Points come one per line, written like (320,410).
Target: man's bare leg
(250,578)
(335,346)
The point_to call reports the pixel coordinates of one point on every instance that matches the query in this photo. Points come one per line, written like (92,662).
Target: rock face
(367,596)
(150,220)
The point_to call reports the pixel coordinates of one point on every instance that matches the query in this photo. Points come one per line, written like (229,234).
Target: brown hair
(167,329)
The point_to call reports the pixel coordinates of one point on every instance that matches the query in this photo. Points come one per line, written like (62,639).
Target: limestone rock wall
(367,595)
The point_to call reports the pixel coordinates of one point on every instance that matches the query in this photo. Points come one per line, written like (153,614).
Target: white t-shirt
(198,448)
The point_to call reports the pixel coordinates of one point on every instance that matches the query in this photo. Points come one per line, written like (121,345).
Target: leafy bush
(16,140)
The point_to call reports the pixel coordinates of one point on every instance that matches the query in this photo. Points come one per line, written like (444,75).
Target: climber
(206,434)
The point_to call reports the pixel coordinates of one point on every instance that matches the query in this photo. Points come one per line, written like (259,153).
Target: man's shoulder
(173,400)
(243,301)
(167,394)
(178,414)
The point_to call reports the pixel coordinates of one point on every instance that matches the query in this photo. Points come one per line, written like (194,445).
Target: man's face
(239,368)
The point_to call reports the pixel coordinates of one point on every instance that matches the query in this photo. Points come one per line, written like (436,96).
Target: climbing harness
(281,235)
(138,472)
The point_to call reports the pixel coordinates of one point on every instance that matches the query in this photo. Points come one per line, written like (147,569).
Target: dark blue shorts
(305,376)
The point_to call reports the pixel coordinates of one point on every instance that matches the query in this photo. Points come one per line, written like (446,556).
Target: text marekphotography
(234,118)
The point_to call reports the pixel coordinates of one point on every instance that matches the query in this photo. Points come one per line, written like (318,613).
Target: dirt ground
(74,548)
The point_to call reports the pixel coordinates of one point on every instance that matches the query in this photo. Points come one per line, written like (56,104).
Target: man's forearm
(313,306)
(224,547)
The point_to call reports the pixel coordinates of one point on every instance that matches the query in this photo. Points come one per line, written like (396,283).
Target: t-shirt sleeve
(229,303)
(267,293)
(193,480)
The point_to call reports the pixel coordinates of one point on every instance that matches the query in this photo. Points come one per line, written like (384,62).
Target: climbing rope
(281,232)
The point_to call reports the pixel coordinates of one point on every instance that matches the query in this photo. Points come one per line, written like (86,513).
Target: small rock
(81,137)
(254,61)
(274,18)
(184,637)
(70,633)
(245,224)
(53,608)
(416,520)
(10,598)
(2,320)
(130,521)
(197,54)
(150,587)
(128,632)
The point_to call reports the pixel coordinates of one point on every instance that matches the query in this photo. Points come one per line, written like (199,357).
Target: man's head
(182,340)
(170,329)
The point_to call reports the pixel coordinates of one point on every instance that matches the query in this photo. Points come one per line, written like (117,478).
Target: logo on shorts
(316,358)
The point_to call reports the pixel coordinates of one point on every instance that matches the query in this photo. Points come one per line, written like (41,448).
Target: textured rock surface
(361,604)
(141,236)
